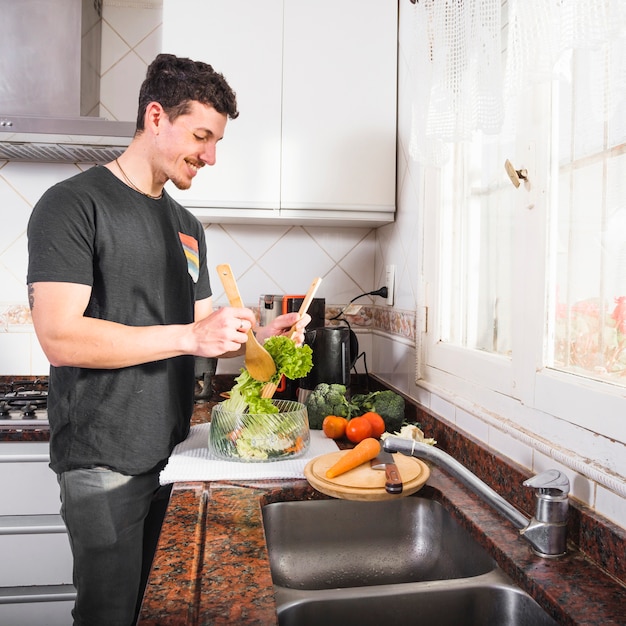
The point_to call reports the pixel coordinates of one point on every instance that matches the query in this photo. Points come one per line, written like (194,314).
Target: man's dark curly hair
(175,82)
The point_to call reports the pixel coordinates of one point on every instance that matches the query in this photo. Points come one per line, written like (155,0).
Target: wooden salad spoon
(258,360)
(306,303)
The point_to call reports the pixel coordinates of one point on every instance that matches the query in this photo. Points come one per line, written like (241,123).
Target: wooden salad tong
(258,360)
(269,389)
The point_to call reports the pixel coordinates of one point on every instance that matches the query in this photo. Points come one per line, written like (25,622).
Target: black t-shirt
(145,261)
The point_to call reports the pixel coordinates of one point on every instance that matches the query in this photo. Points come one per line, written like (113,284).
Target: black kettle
(335,350)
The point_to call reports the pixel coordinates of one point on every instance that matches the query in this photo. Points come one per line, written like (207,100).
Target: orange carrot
(297,446)
(361,453)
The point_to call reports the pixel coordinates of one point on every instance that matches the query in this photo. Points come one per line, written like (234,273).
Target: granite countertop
(212,566)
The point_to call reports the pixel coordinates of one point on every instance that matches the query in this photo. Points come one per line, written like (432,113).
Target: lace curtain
(467,67)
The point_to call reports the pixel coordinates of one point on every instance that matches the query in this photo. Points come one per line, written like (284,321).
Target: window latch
(515,175)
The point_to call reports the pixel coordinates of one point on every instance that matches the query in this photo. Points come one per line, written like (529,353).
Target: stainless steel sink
(339,543)
(475,602)
(404,561)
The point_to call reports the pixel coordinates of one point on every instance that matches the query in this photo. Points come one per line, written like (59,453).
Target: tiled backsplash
(20,353)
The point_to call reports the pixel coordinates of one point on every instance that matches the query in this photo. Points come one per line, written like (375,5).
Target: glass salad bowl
(260,437)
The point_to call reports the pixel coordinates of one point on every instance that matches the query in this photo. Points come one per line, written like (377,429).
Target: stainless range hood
(49,84)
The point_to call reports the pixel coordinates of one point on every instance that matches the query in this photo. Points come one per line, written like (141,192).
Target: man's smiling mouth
(194,164)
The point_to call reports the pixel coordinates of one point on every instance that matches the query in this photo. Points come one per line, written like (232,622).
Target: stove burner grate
(23,400)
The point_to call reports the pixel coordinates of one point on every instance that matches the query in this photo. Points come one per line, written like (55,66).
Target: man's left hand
(282,325)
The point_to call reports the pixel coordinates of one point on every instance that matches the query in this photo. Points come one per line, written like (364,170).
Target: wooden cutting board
(363,482)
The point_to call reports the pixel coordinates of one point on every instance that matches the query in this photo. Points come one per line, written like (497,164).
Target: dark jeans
(113,522)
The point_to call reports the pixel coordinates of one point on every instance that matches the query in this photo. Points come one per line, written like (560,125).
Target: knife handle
(393,482)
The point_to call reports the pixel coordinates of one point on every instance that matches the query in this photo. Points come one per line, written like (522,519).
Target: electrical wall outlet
(390,278)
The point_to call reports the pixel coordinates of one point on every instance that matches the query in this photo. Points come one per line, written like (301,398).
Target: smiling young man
(121,302)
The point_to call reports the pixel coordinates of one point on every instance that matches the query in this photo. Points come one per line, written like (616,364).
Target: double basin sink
(401,561)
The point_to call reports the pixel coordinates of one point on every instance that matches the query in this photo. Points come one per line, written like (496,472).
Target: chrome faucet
(546,531)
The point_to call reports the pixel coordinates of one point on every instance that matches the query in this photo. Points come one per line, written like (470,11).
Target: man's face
(189,143)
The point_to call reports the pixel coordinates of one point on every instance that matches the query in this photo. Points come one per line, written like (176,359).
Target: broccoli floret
(363,402)
(326,399)
(388,404)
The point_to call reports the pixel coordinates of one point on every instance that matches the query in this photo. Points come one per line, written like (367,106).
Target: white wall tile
(338,287)
(610,505)
(132,24)
(510,447)
(40,366)
(402,376)
(13,268)
(358,263)
(337,242)
(14,354)
(443,408)
(254,282)
(472,425)
(408,366)
(291,267)
(256,240)
(390,357)
(148,48)
(422,395)
(119,87)
(14,226)
(114,48)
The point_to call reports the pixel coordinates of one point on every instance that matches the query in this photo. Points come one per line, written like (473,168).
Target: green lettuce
(291,361)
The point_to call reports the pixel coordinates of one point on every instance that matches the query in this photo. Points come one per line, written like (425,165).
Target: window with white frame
(527,285)
(587,322)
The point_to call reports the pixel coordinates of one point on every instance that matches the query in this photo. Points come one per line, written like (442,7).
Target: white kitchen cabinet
(242,39)
(36,567)
(316,87)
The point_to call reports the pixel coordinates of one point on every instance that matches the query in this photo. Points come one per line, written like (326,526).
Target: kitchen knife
(393,481)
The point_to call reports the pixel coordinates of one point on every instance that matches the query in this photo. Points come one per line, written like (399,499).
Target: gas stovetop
(24,405)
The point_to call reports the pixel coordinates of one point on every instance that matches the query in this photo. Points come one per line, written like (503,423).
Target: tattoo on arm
(31,296)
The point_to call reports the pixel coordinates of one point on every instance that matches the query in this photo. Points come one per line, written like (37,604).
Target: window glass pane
(476,246)
(588,312)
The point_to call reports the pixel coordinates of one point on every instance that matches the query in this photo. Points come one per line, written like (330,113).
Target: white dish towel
(192,461)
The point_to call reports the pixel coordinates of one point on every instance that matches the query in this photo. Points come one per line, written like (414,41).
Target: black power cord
(382,292)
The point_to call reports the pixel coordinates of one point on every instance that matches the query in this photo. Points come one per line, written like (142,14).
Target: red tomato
(377,423)
(334,427)
(358,428)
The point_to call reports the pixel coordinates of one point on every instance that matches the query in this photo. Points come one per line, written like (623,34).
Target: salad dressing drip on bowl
(260,437)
